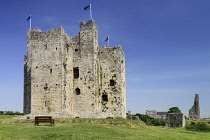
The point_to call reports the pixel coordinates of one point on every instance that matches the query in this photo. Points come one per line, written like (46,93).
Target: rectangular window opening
(112,82)
(76,72)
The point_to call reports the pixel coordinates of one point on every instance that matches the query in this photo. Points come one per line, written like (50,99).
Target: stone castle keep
(73,76)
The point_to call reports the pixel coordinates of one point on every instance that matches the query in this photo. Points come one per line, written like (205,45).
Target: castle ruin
(194,112)
(73,76)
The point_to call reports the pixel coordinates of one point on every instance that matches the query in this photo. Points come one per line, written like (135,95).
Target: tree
(9,113)
(145,118)
(17,113)
(174,110)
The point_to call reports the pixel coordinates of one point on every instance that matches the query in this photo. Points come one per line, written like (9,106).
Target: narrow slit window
(76,72)
(45,87)
(76,50)
(50,71)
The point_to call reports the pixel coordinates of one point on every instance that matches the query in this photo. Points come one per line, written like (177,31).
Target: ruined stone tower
(73,76)
(194,112)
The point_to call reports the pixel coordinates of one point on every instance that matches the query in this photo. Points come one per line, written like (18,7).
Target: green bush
(150,121)
(192,123)
(158,122)
(9,113)
(174,110)
(1,112)
(203,127)
(200,126)
(17,113)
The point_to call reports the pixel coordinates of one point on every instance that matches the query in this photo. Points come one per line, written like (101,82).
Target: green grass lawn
(86,129)
(7,116)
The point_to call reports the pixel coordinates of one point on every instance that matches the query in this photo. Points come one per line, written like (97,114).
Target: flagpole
(90,12)
(30,23)
(108,40)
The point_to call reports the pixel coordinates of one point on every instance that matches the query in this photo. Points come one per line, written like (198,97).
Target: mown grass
(7,116)
(92,129)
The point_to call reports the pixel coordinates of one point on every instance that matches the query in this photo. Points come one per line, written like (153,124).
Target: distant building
(130,117)
(175,120)
(154,114)
(161,115)
(194,112)
(151,113)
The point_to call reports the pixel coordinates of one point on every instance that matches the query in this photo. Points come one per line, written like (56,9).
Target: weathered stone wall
(45,60)
(112,80)
(194,112)
(86,60)
(66,76)
(175,120)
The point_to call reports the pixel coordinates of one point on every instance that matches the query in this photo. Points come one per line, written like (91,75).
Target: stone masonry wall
(112,80)
(194,112)
(175,120)
(67,76)
(46,62)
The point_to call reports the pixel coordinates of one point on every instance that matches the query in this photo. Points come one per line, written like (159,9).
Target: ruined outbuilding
(175,120)
(73,76)
(156,114)
(194,112)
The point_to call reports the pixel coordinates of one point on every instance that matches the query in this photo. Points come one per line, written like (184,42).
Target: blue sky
(166,43)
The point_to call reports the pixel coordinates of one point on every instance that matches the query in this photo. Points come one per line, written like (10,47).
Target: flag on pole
(107,39)
(87,7)
(29,18)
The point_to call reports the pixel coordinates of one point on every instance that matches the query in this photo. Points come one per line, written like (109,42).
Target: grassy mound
(114,122)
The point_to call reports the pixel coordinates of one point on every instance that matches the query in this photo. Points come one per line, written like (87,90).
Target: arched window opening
(105,98)
(77,91)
